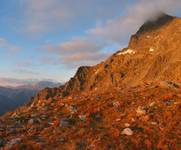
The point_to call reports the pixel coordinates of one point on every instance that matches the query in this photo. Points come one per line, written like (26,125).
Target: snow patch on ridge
(128,51)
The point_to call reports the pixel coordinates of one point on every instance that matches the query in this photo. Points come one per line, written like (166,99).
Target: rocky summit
(131,101)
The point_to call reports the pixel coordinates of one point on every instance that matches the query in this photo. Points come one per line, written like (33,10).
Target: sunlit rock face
(153,54)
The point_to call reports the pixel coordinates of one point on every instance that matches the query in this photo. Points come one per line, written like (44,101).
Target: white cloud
(90,48)
(78,51)
(15,82)
(4,44)
(42,15)
(49,15)
(119,28)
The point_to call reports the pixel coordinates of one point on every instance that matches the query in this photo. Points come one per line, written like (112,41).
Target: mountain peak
(153,45)
(159,32)
(155,22)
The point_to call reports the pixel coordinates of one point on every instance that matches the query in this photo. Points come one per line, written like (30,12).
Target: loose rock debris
(146,122)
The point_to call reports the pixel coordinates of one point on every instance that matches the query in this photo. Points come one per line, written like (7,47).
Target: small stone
(73,109)
(31,121)
(127,131)
(55,122)
(62,139)
(1,129)
(151,49)
(13,142)
(82,118)
(118,119)
(126,124)
(179,95)
(140,111)
(44,117)
(116,104)
(65,122)
(154,123)
(12,130)
(173,85)
(1,142)
(33,115)
(132,120)
(169,102)
(96,116)
(152,104)
(97,97)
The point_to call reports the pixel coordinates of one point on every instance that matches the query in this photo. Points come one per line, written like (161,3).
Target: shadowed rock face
(161,20)
(80,81)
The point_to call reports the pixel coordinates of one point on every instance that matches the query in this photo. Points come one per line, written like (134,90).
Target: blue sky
(49,39)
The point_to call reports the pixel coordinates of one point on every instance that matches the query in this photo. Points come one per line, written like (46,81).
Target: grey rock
(13,142)
(66,122)
(31,121)
(1,142)
(169,102)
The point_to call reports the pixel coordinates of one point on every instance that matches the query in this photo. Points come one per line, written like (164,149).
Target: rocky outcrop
(153,54)
(80,81)
(47,93)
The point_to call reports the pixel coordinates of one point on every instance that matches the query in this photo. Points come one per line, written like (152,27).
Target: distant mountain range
(13,97)
(39,85)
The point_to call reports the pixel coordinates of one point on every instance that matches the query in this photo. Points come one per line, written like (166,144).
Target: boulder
(127,131)
(66,122)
